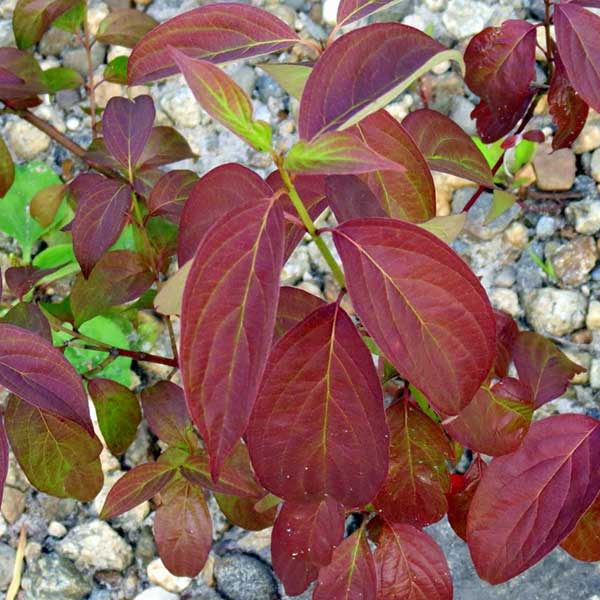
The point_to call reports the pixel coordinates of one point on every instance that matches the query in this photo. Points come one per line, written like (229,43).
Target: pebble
(244,577)
(26,141)
(460,113)
(516,235)
(330,8)
(592,321)
(507,301)
(96,546)
(7,563)
(595,165)
(73,123)
(546,227)
(57,530)
(595,373)
(574,261)
(555,312)
(464,18)
(13,504)
(156,593)
(555,171)
(76,58)
(51,577)
(159,575)
(589,138)
(585,215)
(181,106)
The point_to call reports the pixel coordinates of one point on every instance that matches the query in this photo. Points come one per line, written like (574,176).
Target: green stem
(310,226)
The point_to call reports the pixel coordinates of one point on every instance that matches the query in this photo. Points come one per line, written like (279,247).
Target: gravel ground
(72,555)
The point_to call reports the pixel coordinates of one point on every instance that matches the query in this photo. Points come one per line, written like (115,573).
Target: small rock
(181,106)
(51,577)
(245,77)
(76,58)
(574,261)
(95,14)
(159,575)
(107,90)
(286,13)
(156,593)
(506,277)
(555,312)
(517,235)
(13,504)
(26,141)
(589,138)
(3,526)
(57,509)
(555,171)
(244,577)
(595,165)
(546,227)
(330,8)
(464,18)
(460,113)
(7,563)
(592,321)
(586,215)
(57,530)
(506,300)
(95,545)
(32,551)
(595,373)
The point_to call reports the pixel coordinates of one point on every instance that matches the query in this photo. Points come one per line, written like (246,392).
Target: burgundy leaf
(411,565)
(125,27)
(590,3)
(418,479)
(243,513)
(228,315)
(136,486)
(578,41)
(97,155)
(353,10)
(506,336)
(166,412)
(7,167)
(460,501)
(500,69)
(20,75)
(39,374)
(543,367)
(165,146)
(336,417)
(170,194)
(303,539)
(450,150)
(217,32)
(351,198)
(101,213)
(118,277)
(583,543)
(362,71)
(429,314)
(126,125)
(496,420)
(29,316)
(3,456)
(557,477)
(409,195)
(294,306)
(183,529)
(21,279)
(351,574)
(145,179)
(220,191)
(311,189)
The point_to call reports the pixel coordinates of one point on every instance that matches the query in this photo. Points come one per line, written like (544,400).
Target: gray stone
(555,312)
(546,227)
(595,165)
(156,593)
(244,577)
(26,141)
(585,215)
(574,261)
(460,113)
(52,577)
(96,546)
(76,58)
(506,277)
(464,18)
(245,77)
(7,563)
(180,105)
(589,138)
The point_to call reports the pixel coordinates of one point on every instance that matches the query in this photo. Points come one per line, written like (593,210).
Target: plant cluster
(282,414)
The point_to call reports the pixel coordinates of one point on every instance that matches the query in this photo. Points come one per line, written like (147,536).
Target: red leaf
(294,306)
(543,367)
(136,486)
(506,336)
(242,512)
(496,420)
(350,198)
(21,279)
(351,574)
(410,195)
(220,191)
(3,456)
(101,213)
(578,41)
(29,316)
(460,502)
(353,10)
(583,543)
(7,167)
(311,189)
(429,316)
(118,277)
(411,565)
(166,412)
(57,455)
(169,195)
(227,321)
(500,68)
(165,145)
(183,529)
(450,150)
(39,374)
(362,71)
(126,125)
(418,479)
(557,477)
(303,539)
(336,416)
(118,412)
(569,112)
(236,478)
(218,33)
(20,75)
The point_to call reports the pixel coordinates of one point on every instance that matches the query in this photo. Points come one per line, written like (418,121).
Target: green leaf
(62,78)
(446,228)
(523,154)
(116,70)
(15,218)
(118,412)
(291,77)
(55,256)
(502,201)
(72,20)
